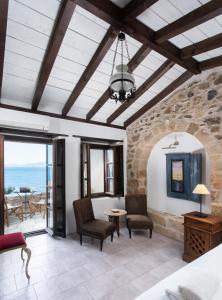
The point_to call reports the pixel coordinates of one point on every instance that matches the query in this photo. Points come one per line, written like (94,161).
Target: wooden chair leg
(22,257)
(129,233)
(80,238)
(151,232)
(101,245)
(111,237)
(28,252)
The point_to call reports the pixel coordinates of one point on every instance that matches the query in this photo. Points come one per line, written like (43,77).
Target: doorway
(25,186)
(32,185)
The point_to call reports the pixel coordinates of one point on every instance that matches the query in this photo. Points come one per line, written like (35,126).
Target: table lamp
(201,189)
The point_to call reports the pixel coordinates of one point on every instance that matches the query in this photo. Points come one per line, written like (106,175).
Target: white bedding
(211,262)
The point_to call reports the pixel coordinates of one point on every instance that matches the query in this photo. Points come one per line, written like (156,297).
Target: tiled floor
(36,222)
(62,269)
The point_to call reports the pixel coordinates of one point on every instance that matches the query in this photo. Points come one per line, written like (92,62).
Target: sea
(32,177)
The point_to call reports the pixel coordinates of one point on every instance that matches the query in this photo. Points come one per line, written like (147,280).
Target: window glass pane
(97,170)
(109,156)
(109,170)
(110,185)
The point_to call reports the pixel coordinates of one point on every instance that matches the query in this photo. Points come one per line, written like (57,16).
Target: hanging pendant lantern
(122,83)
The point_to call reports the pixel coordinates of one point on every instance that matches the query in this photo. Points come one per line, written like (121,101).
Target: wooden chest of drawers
(200,235)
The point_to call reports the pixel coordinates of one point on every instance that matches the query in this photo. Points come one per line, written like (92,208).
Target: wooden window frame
(118,177)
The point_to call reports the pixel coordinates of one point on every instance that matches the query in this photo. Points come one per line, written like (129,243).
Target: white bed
(211,261)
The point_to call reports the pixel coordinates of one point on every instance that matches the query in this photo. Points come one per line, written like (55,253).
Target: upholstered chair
(137,215)
(87,224)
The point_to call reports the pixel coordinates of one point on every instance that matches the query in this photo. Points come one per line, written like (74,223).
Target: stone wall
(195,108)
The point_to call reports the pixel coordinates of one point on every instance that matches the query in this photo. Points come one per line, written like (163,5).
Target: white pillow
(173,295)
(202,286)
(218,294)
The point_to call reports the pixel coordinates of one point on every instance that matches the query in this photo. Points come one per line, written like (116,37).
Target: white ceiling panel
(52,93)
(160,84)
(17,88)
(29,17)
(85,102)
(62,84)
(21,61)
(166,11)
(75,55)
(152,20)
(70,77)
(152,62)
(97,86)
(79,42)
(91,17)
(27,34)
(101,78)
(92,93)
(47,8)
(18,71)
(186,6)
(15,103)
(209,54)
(23,48)
(50,106)
(79,112)
(211,27)
(87,27)
(68,65)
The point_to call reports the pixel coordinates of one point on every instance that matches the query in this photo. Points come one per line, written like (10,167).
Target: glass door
(49,188)
(55,170)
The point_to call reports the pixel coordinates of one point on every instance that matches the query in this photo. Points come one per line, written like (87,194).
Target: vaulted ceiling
(56,56)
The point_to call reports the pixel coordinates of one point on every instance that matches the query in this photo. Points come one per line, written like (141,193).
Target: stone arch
(138,158)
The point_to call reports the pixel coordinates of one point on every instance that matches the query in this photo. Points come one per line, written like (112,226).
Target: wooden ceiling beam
(202,46)
(136,7)
(101,51)
(59,30)
(142,89)
(133,63)
(112,14)
(58,116)
(211,63)
(192,19)
(3,29)
(164,93)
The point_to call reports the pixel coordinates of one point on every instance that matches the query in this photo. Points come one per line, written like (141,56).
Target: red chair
(14,241)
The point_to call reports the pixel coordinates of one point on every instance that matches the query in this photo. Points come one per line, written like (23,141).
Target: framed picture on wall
(184,171)
(177,180)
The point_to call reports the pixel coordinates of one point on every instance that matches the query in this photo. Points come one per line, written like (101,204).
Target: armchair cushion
(139,222)
(136,204)
(12,240)
(98,228)
(83,211)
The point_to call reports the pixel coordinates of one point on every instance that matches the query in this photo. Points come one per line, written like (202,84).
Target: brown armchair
(137,215)
(88,225)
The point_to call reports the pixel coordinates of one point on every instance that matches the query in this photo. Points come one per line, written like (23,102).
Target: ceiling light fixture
(122,83)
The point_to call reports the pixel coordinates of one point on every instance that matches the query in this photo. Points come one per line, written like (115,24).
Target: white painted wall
(73,155)
(156,175)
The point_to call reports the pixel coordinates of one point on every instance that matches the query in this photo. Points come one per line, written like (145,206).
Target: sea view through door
(25,186)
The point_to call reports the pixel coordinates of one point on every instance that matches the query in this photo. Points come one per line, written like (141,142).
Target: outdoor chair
(137,215)
(37,203)
(88,225)
(13,206)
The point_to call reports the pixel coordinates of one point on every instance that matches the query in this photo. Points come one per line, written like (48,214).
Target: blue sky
(24,153)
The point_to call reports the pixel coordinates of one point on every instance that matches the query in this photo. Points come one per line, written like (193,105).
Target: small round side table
(114,217)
